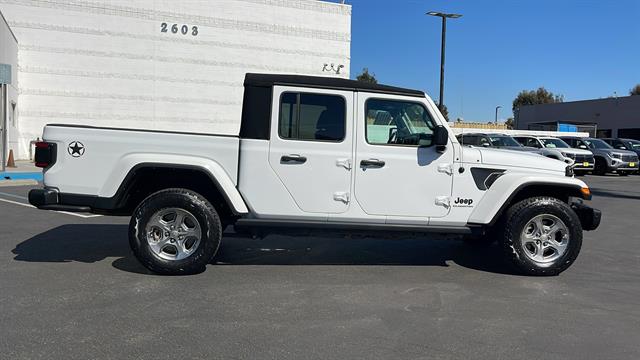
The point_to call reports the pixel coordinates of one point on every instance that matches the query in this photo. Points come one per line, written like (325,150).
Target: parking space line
(61,212)
(13,196)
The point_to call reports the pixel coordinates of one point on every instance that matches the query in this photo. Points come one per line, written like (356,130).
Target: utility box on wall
(162,64)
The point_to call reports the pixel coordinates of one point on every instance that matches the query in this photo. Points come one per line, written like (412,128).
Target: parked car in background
(503,141)
(583,159)
(608,159)
(624,144)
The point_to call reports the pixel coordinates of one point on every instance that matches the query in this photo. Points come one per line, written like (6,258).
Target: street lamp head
(443,15)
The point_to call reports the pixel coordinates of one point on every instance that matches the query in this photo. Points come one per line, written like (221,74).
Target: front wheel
(543,236)
(623,173)
(175,232)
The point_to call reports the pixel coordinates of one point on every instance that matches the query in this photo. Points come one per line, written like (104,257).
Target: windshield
(554,143)
(597,144)
(503,141)
(635,144)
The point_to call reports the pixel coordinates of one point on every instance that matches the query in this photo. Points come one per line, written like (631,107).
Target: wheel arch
(143,179)
(499,198)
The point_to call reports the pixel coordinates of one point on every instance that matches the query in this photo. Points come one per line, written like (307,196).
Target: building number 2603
(175,28)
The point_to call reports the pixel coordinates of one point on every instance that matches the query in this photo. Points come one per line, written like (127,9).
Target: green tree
(444,111)
(365,76)
(509,123)
(635,90)
(534,97)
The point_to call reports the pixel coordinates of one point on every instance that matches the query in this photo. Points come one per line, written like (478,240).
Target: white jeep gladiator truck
(315,155)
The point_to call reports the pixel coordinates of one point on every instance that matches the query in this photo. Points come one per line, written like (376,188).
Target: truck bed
(108,154)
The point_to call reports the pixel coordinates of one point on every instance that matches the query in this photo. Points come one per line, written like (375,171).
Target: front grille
(629,158)
(584,158)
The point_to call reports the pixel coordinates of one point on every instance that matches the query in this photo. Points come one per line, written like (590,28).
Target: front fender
(502,191)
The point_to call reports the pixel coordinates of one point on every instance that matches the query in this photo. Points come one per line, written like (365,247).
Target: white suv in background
(583,159)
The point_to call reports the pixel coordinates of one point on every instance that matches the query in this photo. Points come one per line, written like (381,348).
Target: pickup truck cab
(315,155)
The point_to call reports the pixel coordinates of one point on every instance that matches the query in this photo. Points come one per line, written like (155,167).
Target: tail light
(45,154)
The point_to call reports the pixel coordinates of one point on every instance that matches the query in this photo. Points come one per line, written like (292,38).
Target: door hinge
(443,201)
(445,168)
(345,163)
(341,196)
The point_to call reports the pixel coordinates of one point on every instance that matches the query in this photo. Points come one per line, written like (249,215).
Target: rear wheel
(543,236)
(174,232)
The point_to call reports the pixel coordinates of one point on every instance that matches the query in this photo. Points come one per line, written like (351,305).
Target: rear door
(398,171)
(311,146)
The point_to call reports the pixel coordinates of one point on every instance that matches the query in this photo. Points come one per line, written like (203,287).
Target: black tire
(190,201)
(623,173)
(600,167)
(517,217)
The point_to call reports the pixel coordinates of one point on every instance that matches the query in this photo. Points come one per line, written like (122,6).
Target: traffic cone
(11,162)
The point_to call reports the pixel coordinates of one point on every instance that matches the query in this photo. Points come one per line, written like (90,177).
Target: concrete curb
(23,182)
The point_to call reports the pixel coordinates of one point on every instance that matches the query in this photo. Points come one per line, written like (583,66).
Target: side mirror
(582,147)
(487,144)
(440,136)
(622,147)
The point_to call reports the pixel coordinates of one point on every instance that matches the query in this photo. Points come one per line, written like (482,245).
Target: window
(503,140)
(312,117)
(393,122)
(527,141)
(554,143)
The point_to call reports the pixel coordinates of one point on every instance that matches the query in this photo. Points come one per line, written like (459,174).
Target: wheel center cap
(174,233)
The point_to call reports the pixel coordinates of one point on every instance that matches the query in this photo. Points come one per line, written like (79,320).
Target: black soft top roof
(269,80)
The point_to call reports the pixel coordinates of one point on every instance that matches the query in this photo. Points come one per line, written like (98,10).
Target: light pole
(444,33)
(497,107)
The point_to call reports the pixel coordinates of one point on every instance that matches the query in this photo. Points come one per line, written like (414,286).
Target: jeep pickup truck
(315,156)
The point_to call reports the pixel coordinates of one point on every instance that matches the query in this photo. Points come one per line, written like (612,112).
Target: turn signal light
(586,193)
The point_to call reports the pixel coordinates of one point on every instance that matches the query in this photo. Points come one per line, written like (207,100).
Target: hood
(517,148)
(520,159)
(618,151)
(574,151)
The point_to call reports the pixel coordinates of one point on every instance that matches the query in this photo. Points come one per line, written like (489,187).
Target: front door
(311,146)
(398,171)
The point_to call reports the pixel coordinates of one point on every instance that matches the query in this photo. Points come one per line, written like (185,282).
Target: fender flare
(129,165)
(502,192)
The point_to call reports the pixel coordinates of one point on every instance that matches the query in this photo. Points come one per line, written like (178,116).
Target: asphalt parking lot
(70,288)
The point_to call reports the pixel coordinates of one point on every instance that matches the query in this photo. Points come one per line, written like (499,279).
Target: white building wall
(9,56)
(108,63)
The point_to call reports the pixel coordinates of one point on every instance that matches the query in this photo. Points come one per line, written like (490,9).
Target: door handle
(372,163)
(293,159)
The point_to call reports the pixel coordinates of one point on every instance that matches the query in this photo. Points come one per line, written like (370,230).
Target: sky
(581,49)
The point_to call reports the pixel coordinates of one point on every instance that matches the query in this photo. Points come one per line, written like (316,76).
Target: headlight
(616,156)
(568,155)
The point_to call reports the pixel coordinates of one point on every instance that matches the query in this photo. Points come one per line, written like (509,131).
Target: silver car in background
(583,159)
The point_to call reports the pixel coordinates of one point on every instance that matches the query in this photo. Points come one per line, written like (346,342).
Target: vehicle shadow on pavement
(614,194)
(90,243)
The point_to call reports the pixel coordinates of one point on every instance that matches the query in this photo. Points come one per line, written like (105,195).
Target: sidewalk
(25,173)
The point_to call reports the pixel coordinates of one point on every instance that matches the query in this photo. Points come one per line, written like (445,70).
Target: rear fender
(214,170)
